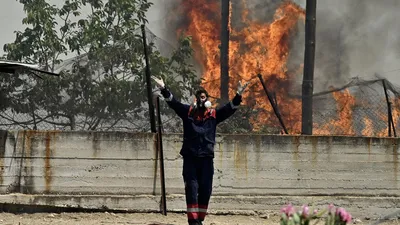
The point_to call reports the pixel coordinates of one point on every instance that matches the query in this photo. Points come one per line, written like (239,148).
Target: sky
(11,15)
(368,32)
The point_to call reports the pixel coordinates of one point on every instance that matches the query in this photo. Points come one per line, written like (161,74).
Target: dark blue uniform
(199,129)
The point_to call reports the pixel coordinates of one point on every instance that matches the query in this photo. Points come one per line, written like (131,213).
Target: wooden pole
(308,76)
(273,104)
(224,57)
(389,108)
(148,82)
(161,152)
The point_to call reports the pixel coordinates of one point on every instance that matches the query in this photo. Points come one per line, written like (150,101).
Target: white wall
(252,172)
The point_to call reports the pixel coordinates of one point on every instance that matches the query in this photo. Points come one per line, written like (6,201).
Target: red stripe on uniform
(193,211)
(202,211)
(192,215)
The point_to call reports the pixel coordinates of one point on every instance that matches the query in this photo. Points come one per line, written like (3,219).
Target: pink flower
(343,215)
(305,210)
(348,219)
(288,210)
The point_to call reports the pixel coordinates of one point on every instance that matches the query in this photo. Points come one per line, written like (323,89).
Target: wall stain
(369,143)
(240,158)
(314,155)
(296,142)
(15,139)
(96,143)
(388,145)
(47,165)
(329,149)
(28,186)
(257,148)
(396,159)
(3,138)
(30,150)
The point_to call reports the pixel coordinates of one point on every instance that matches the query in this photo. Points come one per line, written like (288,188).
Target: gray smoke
(354,37)
(259,10)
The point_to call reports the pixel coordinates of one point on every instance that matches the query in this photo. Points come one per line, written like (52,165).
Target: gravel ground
(139,218)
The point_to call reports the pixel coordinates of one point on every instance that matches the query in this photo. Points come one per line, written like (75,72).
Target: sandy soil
(140,218)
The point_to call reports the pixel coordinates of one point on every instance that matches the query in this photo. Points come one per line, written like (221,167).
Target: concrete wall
(252,172)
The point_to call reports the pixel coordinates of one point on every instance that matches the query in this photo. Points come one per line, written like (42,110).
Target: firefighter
(199,129)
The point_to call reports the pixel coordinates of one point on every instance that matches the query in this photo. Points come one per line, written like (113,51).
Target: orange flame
(261,48)
(343,124)
(396,111)
(368,129)
(257,48)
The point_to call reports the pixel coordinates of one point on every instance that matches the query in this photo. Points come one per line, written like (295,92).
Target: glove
(165,93)
(236,100)
(161,85)
(241,87)
(159,82)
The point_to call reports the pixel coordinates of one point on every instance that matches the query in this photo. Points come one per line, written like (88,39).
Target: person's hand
(159,82)
(241,87)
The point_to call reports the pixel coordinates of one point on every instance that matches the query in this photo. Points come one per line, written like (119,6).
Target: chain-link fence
(360,108)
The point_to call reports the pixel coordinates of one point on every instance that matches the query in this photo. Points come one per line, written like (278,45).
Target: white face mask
(207,104)
(198,102)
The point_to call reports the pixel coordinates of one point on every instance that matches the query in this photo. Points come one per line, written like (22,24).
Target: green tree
(102,86)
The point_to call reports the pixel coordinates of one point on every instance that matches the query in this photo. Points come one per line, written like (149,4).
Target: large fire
(258,47)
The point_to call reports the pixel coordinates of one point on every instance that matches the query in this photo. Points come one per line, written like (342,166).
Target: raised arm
(180,109)
(229,109)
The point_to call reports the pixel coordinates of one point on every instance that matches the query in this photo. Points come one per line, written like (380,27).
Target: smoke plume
(354,38)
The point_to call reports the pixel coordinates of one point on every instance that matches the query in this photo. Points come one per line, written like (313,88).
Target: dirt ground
(141,218)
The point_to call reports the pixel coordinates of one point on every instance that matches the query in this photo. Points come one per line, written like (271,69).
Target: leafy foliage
(102,86)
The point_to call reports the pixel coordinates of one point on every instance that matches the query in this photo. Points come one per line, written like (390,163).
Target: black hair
(201,91)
